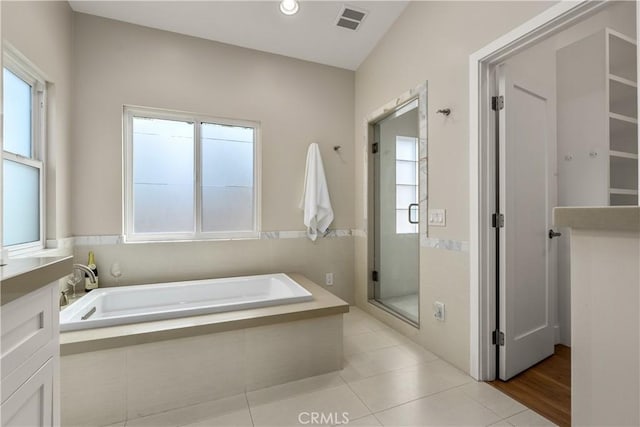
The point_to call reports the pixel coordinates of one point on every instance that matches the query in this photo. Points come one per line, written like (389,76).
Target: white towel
(318,213)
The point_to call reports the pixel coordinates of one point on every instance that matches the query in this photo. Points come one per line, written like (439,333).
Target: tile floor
(387,381)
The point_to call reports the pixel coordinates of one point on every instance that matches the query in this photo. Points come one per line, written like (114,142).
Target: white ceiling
(311,34)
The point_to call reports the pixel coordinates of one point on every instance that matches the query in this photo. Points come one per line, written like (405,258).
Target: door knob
(553,234)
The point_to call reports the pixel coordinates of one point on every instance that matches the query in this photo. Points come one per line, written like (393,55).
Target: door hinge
(497,337)
(497,220)
(374,275)
(374,148)
(497,103)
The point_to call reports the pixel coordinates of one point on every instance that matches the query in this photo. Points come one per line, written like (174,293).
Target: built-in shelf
(623,123)
(623,199)
(623,172)
(602,65)
(623,191)
(623,154)
(623,99)
(623,81)
(623,118)
(622,55)
(623,136)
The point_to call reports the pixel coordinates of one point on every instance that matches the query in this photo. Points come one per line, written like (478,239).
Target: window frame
(130,236)
(21,67)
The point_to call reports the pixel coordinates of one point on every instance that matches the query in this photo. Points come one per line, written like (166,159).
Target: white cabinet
(598,121)
(32,403)
(605,314)
(29,359)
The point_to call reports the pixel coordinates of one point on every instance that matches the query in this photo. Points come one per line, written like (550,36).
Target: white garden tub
(142,303)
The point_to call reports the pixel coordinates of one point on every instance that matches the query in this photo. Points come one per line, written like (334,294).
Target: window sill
(135,241)
(40,252)
(252,235)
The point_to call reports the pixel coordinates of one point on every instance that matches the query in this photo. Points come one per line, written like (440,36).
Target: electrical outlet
(328,279)
(115,270)
(438,311)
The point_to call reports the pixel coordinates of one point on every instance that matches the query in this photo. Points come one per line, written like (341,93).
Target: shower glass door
(396,211)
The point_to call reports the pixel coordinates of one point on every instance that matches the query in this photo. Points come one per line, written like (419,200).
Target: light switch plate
(437,217)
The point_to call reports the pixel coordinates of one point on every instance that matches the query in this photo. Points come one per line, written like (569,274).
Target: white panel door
(526,202)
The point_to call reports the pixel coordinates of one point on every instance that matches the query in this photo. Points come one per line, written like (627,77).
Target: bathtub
(142,303)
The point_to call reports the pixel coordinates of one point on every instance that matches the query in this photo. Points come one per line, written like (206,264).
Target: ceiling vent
(350,18)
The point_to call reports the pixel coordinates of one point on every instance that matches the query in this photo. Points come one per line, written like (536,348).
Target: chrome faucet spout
(92,277)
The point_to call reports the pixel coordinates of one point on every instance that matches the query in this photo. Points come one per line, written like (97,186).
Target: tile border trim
(446,244)
(431,242)
(115,239)
(428,242)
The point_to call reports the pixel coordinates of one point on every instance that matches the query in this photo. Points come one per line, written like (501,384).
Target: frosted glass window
(163,176)
(227,132)
(406,183)
(227,178)
(406,195)
(17,114)
(403,226)
(22,169)
(21,203)
(189,177)
(406,148)
(406,172)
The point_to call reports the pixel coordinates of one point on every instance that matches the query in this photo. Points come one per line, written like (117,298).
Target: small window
(189,177)
(406,185)
(22,162)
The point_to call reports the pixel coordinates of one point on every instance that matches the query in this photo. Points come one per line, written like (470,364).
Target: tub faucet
(82,267)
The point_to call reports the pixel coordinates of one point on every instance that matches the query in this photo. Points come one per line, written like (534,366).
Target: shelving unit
(623,119)
(598,120)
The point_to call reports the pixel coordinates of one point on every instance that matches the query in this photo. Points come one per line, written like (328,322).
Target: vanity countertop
(23,275)
(613,218)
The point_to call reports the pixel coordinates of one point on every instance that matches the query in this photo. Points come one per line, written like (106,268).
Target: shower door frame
(418,93)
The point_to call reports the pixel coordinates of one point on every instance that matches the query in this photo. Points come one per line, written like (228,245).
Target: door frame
(482,359)
(420,93)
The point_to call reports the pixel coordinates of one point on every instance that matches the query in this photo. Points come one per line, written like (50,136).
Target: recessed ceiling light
(289,7)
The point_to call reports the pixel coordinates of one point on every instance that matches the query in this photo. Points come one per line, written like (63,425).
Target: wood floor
(545,387)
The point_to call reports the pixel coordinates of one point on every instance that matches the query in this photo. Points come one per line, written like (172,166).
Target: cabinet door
(26,327)
(31,404)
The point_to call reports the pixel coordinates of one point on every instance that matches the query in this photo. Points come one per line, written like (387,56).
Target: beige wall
(43,31)
(432,41)
(164,262)
(296,102)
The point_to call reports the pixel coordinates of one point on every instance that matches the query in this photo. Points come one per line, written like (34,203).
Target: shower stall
(395,155)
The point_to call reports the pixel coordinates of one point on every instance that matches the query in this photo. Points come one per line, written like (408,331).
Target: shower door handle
(411,206)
